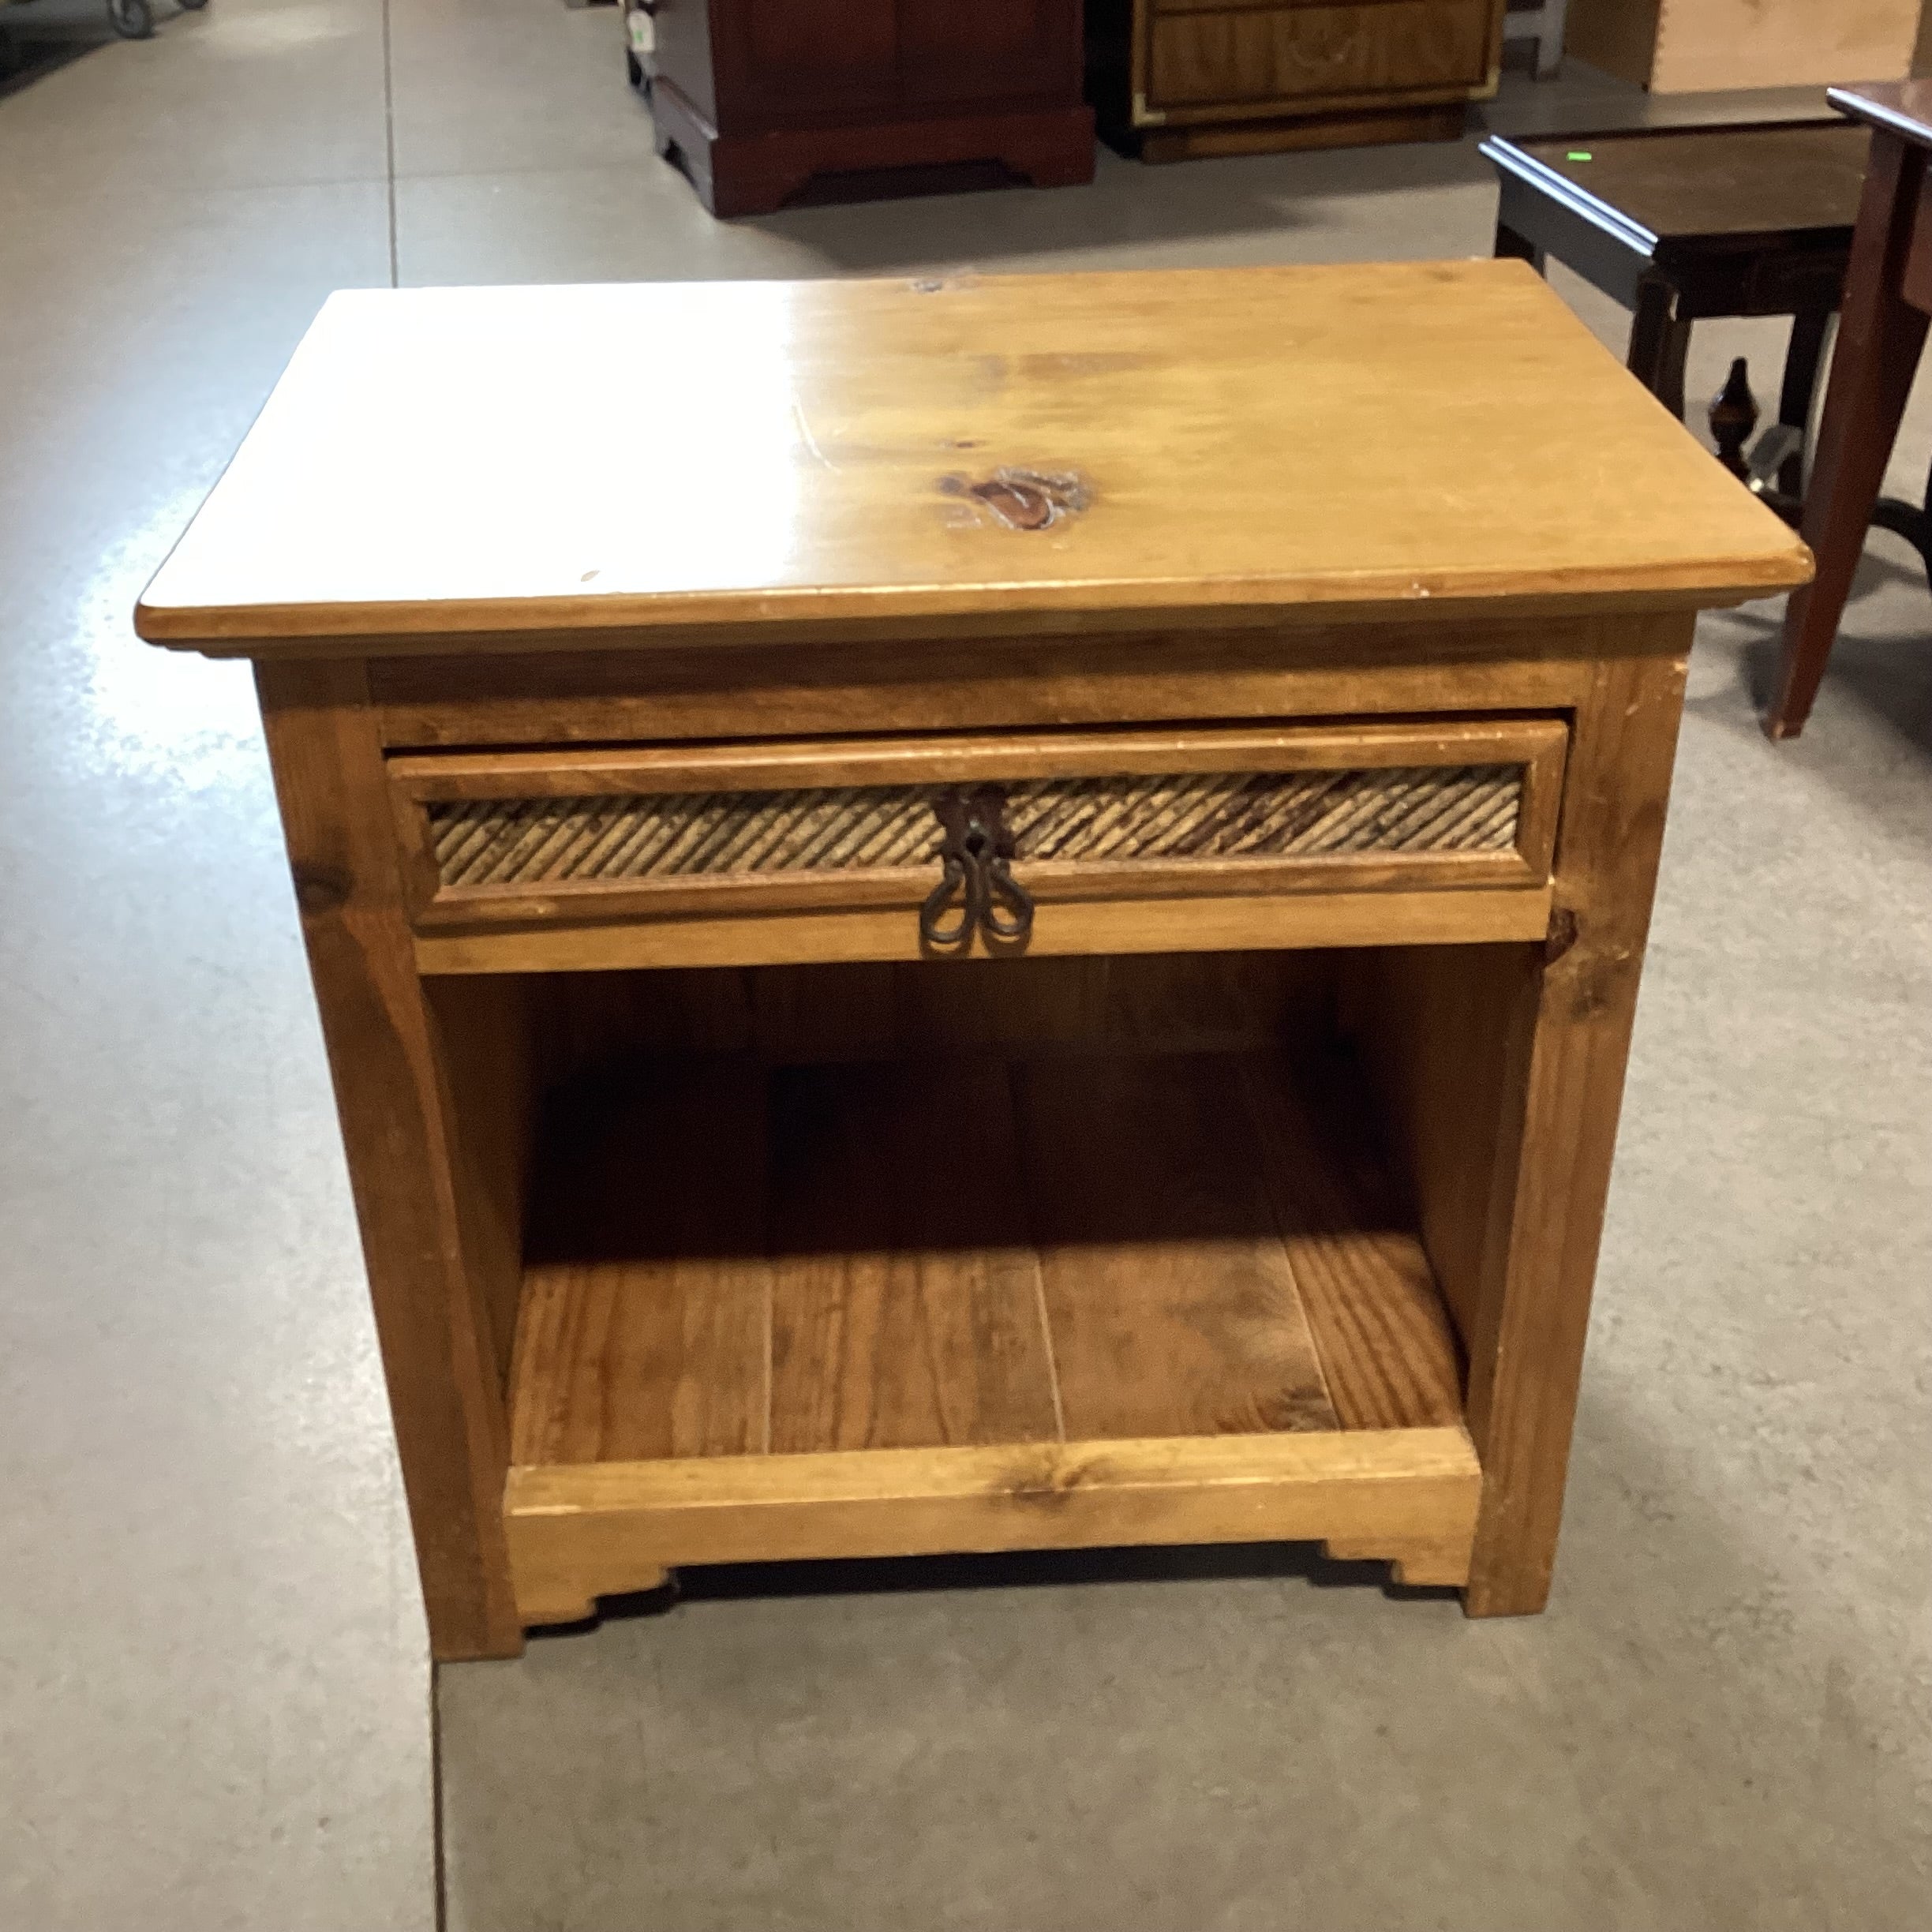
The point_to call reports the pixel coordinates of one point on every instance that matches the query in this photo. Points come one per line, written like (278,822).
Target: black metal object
(1733,417)
(977,892)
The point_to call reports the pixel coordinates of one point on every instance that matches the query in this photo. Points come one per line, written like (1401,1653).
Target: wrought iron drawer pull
(977,892)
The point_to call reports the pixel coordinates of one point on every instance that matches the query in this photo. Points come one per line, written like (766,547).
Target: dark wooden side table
(1888,293)
(1684,225)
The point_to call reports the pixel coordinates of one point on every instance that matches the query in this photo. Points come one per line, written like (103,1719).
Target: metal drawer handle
(977,892)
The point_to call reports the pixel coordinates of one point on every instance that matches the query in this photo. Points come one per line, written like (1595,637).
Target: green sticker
(1580,154)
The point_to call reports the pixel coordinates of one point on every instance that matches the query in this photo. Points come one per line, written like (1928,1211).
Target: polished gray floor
(214,1710)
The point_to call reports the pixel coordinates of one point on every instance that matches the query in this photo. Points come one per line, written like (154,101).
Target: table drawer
(1167,839)
(1289,53)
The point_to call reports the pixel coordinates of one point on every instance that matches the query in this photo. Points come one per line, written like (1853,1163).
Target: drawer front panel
(1154,825)
(1104,822)
(1307,53)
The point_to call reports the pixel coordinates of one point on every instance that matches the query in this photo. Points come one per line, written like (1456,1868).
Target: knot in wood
(319,890)
(1025,500)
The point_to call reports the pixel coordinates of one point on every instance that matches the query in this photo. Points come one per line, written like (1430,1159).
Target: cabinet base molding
(577,1532)
(1207,139)
(739,174)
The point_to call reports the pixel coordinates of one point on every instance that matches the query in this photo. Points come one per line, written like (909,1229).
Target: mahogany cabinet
(756,98)
(1176,79)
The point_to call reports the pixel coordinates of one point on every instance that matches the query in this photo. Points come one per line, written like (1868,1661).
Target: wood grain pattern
(1444,1033)
(483,1027)
(580,1531)
(1674,48)
(647,1303)
(1232,923)
(1770,44)
(1386,1345)
(1183,1002)
(843,424)
(430,1256)
(1560,1131)
(1500,660)
(906,1308)
(932,1247)
(1311,746)
(1300,53)
(1172,1304)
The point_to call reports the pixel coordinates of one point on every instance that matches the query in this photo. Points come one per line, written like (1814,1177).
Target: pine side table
(1005,914)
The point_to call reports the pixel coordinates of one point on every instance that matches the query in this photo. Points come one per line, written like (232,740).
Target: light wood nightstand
(995,914)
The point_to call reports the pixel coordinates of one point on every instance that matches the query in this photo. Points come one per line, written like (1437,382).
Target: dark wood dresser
(1176,79)
(755,99)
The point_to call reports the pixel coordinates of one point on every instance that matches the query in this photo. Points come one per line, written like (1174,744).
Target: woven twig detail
(1424,808)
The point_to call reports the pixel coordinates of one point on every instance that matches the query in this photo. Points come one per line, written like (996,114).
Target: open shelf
(901,1304)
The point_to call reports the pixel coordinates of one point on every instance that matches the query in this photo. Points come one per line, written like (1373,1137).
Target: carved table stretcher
(1006,917)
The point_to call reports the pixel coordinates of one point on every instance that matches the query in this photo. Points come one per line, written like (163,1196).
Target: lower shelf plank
(1172,1305)
(579,1532)
(906,1292)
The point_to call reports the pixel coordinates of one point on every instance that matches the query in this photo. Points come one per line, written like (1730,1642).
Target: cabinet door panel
(988,49)
(798,60)
(1292,53)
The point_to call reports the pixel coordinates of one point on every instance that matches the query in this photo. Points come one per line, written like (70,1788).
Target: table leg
(427,1259)
(1810,327)
(1880,336)
(1525,1341)
(1511,246)
(1659,342)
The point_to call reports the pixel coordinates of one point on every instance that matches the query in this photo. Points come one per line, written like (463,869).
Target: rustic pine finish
(1327,680)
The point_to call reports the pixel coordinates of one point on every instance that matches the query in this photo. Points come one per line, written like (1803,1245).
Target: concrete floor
(214,1710)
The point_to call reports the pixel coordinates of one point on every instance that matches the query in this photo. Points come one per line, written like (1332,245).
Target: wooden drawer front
(498,839)
(1300,53)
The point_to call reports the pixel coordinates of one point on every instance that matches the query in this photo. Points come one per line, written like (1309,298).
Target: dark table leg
(1880,337)
(1809,329)
(1913,521)
(1518,247)
(1659,341)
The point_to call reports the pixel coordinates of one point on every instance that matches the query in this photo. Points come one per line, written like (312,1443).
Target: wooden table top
(1900,107)
(973,453)
(1800,181)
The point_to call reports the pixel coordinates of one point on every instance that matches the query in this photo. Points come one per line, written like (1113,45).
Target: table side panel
(1499,659)
(1550,1181)
(433,1261)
